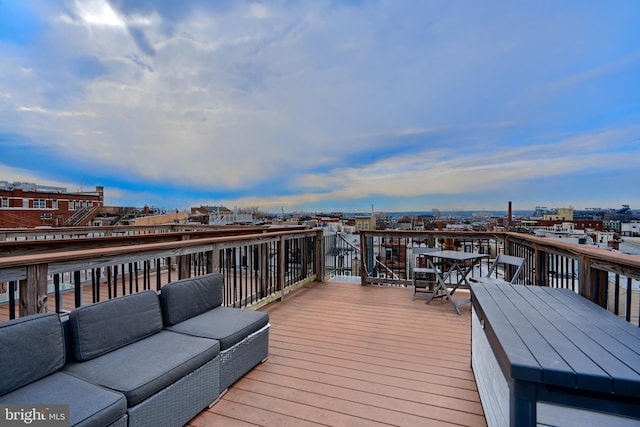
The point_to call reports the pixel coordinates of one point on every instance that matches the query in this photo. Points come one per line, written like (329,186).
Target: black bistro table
(445,263)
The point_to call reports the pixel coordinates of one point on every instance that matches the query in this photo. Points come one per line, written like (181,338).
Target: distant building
(28,205)
(571,224)
(207,210)
(170,218)
(562,214)
(365,222)
(630,229)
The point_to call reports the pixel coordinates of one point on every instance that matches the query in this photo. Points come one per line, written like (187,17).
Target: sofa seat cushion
(145,367)
(89,404)
(225,324)
(99,328)
(31,347)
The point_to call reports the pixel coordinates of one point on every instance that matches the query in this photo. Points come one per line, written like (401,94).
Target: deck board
(341,354)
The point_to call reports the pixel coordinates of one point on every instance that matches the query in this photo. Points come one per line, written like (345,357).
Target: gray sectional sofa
(193,307)
(138,360)
(32,350)
(120,344)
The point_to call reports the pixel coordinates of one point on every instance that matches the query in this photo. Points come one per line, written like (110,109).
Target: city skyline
(324,106)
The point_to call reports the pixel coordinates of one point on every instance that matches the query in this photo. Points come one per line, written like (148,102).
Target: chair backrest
(508,260)
(417,251)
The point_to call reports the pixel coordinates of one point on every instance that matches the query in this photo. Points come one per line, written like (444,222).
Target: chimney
(509,215)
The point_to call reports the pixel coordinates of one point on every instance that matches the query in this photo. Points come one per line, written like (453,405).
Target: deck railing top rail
(117,254)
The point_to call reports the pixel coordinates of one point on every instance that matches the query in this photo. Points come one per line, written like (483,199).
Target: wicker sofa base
(242,357)
(181,401)
(120,422)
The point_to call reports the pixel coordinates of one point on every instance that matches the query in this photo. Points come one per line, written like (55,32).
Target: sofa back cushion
(31,347)
(99,328)
(187,298)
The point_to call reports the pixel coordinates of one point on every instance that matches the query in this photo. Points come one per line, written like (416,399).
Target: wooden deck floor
(346,355)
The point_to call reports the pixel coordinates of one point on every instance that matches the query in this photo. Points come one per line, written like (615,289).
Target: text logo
(34,415)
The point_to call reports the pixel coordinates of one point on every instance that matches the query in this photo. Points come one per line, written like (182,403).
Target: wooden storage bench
(546,356)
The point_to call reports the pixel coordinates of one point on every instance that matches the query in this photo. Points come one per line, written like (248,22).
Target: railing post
(213,259)
(33,290)
(585,279)
(184,262)
(363,251)
(602,284)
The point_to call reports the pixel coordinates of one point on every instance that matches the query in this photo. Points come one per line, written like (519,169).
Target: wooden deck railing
(603,276)
(258,267)
(262,264)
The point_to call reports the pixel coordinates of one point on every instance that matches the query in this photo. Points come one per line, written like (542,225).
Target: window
(39,203)
(54,203)
(72,206)
(25,203)
(4,203)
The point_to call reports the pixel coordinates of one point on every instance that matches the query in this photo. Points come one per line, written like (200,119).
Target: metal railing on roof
(610,279)
(257,267)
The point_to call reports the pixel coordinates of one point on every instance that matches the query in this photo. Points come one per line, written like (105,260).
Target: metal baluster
(12,299)
(115,281)
(77,288)
(56,291)
(158,271)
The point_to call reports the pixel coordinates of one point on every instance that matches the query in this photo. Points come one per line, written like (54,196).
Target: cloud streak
(323,105)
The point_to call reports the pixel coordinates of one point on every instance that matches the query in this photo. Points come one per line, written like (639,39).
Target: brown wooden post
(281,264)
(185,266)
(363,258)
(213,259)
(33,290)
(585,278)
(602,285)
(184,262)
(507,249)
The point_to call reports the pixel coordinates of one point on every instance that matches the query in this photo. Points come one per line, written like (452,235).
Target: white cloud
(98,12)
(231,96)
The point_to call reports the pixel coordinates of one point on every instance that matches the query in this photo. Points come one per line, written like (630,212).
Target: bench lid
(556,337)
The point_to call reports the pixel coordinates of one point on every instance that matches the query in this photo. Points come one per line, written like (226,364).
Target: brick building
(31,205)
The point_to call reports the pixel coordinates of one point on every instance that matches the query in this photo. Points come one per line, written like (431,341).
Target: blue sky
(325,105)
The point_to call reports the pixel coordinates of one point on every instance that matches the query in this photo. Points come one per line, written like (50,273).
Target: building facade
(28,205)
